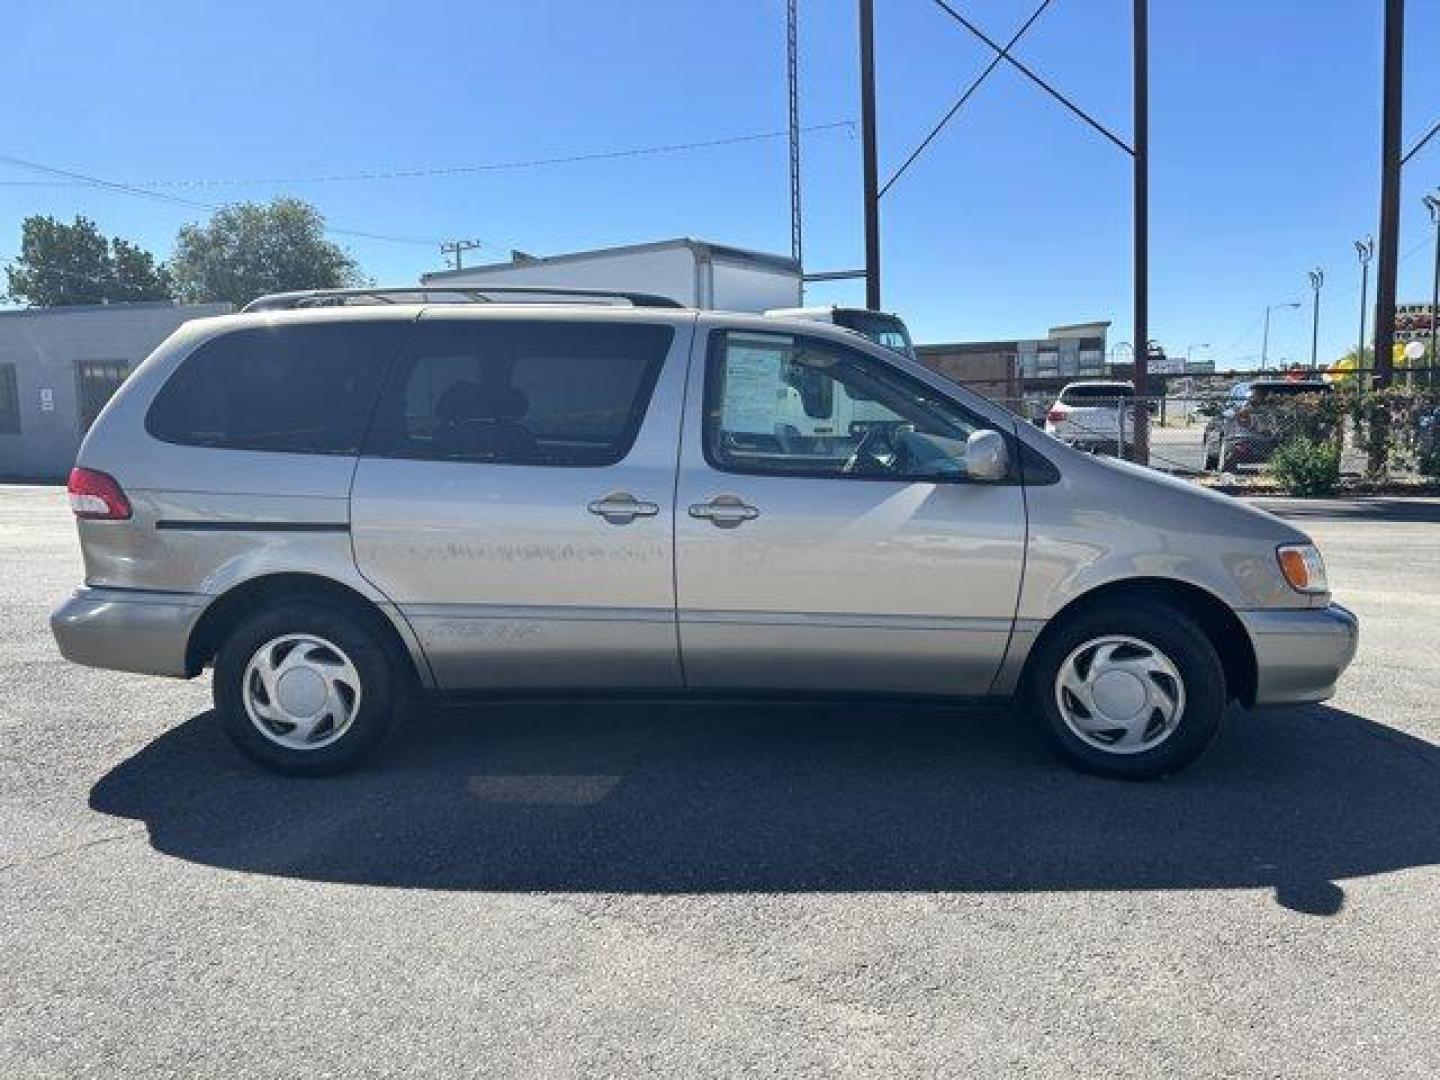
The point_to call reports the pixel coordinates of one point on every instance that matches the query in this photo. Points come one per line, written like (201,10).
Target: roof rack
(453,294)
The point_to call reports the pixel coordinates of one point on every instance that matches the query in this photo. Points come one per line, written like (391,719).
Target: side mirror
(986,456)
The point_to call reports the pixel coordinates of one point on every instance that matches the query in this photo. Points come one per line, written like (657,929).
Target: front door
(827,535)
(515,498)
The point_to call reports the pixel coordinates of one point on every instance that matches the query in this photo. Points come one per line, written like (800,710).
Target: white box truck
(694,272)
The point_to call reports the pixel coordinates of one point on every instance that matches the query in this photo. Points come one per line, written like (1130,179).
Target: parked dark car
(1246,429)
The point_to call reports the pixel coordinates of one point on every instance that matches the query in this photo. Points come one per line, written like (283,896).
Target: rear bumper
(1088,439)
(1299,655)
(127,629)
(1251,448)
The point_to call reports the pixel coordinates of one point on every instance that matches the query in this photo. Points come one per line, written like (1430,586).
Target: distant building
(58,368)
(1024,373)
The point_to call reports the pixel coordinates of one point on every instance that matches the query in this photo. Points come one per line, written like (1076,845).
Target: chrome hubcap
(1120,694)
(301,691)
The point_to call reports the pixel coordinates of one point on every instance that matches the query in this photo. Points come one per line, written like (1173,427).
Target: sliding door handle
(621,508)
(724,511)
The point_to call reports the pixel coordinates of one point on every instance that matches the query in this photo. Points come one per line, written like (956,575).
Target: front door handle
(621,508)
(724,511)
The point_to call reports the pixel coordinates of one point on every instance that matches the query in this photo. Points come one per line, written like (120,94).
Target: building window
(98,380)
(9,401)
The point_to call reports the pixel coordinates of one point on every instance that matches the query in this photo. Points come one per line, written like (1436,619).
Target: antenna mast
(797,245)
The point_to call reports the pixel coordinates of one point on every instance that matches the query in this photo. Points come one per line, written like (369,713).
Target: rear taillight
(96,496)
(1057,415)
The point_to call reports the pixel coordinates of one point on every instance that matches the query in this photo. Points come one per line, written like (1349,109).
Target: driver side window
(778,404)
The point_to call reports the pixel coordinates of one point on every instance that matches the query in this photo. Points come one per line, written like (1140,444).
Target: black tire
(1166,629)
(373,716)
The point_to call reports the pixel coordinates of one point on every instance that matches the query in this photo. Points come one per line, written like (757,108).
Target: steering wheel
(864,458)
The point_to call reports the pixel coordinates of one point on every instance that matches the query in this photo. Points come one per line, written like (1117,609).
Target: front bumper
(127,629)
(1300,654)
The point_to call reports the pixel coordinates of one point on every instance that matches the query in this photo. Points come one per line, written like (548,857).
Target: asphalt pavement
(722,890)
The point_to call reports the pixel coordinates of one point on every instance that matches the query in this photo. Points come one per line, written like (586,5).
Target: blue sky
(1265,139)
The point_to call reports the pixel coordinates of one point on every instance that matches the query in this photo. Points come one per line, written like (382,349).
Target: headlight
(1303,567)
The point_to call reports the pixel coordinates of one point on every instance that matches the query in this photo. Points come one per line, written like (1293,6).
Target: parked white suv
(1094,416)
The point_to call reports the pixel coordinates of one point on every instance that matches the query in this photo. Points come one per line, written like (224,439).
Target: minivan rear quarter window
(297,388)
(520,392)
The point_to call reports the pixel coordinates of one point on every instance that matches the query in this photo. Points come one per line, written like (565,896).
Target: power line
(159,196)
(1406,255)
(152,187)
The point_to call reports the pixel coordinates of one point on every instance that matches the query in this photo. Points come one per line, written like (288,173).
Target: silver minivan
(342,502)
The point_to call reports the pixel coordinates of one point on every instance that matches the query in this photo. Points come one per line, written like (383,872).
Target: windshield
(883,329)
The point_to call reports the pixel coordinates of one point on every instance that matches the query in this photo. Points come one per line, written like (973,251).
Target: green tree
(250,249)
(76,263)
(136,275)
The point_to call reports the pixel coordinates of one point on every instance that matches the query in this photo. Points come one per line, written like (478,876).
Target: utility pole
(1390,152)
(792,69)
(1365,250)
(1141,158)
(872,172)
(458,248)
(1432,203)
(1317,279)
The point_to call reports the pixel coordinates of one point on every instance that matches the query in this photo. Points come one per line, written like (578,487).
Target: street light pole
(1265,341)
(1365,249)
(1317,279)
(1432,203)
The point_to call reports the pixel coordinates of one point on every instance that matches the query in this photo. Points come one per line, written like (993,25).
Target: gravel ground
(698,890)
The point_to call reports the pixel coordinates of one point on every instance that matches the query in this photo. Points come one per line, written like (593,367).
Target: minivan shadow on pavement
(675,798)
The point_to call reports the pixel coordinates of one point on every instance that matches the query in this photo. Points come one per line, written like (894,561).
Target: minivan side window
(305,388)
(520,392)
(787,405)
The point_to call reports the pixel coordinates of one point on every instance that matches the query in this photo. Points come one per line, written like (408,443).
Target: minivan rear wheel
(304,688)
(1130,690)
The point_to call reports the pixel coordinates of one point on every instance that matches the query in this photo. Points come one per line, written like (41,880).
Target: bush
(1306,466)
(1318,416)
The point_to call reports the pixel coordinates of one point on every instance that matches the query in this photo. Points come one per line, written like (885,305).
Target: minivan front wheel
(304,688)
(1133,690)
